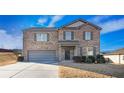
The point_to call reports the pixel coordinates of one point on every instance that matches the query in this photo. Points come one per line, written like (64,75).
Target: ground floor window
(84,51)
(90,51)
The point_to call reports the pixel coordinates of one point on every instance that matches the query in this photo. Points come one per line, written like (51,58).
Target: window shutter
(94,51)
(83,35)
(35,37)
(72,35)
(64,35)
(48,37)
(91,35)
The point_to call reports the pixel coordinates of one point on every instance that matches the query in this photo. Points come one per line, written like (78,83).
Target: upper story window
(68,35)
(88,35)
(42,37)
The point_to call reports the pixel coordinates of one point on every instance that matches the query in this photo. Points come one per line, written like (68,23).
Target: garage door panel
(42,55)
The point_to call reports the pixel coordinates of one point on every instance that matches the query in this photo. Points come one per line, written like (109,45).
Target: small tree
(100,59)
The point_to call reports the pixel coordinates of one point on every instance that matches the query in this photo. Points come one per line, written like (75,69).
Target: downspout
(119,59)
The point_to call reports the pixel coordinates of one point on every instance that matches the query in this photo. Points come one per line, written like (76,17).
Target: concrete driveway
(29,70)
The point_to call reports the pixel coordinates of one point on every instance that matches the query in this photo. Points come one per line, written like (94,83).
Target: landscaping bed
(89,59)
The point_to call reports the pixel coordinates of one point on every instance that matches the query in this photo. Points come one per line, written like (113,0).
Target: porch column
(76,52)
(60,53)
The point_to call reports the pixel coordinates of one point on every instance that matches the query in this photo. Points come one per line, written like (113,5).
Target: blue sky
(112,34)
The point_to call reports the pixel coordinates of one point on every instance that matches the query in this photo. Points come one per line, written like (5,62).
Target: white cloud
(52,22)
(55,19)
(9,41)
(108,25)
(99,18)
(111,26)
(42,20)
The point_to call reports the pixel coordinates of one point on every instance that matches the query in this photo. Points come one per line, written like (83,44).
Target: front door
(67,54)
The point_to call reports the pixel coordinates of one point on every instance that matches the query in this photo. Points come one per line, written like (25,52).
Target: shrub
(90,59)
(83,58)
(77,59)
(100,59)
(20,58)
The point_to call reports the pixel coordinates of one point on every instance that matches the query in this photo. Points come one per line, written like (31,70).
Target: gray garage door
(44,56)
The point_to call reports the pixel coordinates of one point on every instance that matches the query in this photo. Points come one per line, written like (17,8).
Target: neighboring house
(116,57)
(49,44)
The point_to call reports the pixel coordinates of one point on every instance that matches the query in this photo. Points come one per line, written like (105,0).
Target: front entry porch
(68,53)
(67,50)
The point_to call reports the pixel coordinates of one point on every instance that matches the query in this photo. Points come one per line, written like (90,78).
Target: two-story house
(77,38)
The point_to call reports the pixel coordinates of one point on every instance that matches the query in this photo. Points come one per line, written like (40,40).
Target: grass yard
(81,70)
(7,58)
(68,72)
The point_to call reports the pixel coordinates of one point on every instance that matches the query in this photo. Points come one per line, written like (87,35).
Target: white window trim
(90,51)
(68,37)
(88,35)
(43,37)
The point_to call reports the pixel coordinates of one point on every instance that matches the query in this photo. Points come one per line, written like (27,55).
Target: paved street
(29,70)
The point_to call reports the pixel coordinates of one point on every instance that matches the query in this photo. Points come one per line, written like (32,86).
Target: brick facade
(56,35)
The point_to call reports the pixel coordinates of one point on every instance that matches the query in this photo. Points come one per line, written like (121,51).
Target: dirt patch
(68,72)
(7,58)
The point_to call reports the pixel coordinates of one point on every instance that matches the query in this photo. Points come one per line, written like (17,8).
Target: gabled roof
(81,21)
(117,52)
(41,28)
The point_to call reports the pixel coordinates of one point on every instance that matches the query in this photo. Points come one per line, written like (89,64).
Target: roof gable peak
(79,23)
